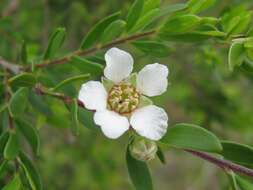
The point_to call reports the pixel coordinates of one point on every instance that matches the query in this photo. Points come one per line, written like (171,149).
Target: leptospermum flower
(120,100)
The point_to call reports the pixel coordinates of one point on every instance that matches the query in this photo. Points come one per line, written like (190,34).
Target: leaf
(11,149)
(179,24)
(153,48)
(3,107)
(172,9)
(134,14)
(196,6)
(24,53)
(145,20)
(3,140)
(139,173)
(114,30)
(31,172)
(238,153)
(18,102)
(86,118)
(74,117)
(150,5)
(23,80)
(82,77)
(244,184)
(189,136)
(235,55)
(30,133)
(95,33)
(55,42)
(232,179)
(15,184)
(3,167)
(86,66)
(161,156)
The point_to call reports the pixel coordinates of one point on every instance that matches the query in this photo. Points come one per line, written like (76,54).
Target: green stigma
(123,98)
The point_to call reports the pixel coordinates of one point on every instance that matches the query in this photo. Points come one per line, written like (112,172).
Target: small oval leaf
(11,149)
(235,55)
(189,136)
(134,13)
(23,80)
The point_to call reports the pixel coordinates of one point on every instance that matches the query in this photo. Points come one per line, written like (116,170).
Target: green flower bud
(143,149)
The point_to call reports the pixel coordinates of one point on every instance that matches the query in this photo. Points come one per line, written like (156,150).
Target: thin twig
(93,50)
(9,66)
(223,164)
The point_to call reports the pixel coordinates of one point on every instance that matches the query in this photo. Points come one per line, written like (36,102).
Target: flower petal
(150,122)
(119,65)
(93,95)
(112,124)
(152,79)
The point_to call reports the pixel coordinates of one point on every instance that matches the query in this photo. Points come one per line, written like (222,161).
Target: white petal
(93,95)
(119,65)
(112,124)
(152,79)
(150,122)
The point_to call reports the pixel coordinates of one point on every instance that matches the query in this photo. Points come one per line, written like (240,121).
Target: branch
(93,50)
(9,66)
(223,164)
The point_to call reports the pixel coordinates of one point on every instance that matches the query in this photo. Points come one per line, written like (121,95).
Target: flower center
(123,98)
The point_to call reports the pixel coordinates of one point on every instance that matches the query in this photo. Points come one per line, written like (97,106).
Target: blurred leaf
(244,184)
(86,118)
(197,6)
(153,48)
(31,173)
(134,13)
(113,31)
(235,55)
(238,153)
(24,53)
(172,9)
(95,33)
(14,184)
(23,80)
(11,149)
(139,173)
(55,42)
(179,24)
(18,102)
(232,179)
(3,107)
(86,66)
(31,134)
(189,136)
(145,20)
(74,117)
(3,167)
(160,155)
(150,5)
(3,140)
(82,77)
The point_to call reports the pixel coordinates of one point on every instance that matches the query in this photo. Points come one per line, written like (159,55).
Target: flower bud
(143,149)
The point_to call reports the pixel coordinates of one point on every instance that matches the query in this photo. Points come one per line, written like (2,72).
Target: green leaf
(18,102)
(11,149)
(153,48)
(114,30)
(55,43)
(179,24)
(86,66)
(235,55)
(95,33)
(134,14)
(3,167)
(69,80)
(86,118)
(139,173)
(30,133)
(160,155)
(23,80)
(189,136)
(172,9)
(145,20)
(150,5)
(3,140)
(244,184)
(3,107)
(232,179)
(14,184)
(24,53)
(238,153)
(196,6)
(74,117)
(30,171)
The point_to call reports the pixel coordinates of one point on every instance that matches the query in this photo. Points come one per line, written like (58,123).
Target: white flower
(120,101)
